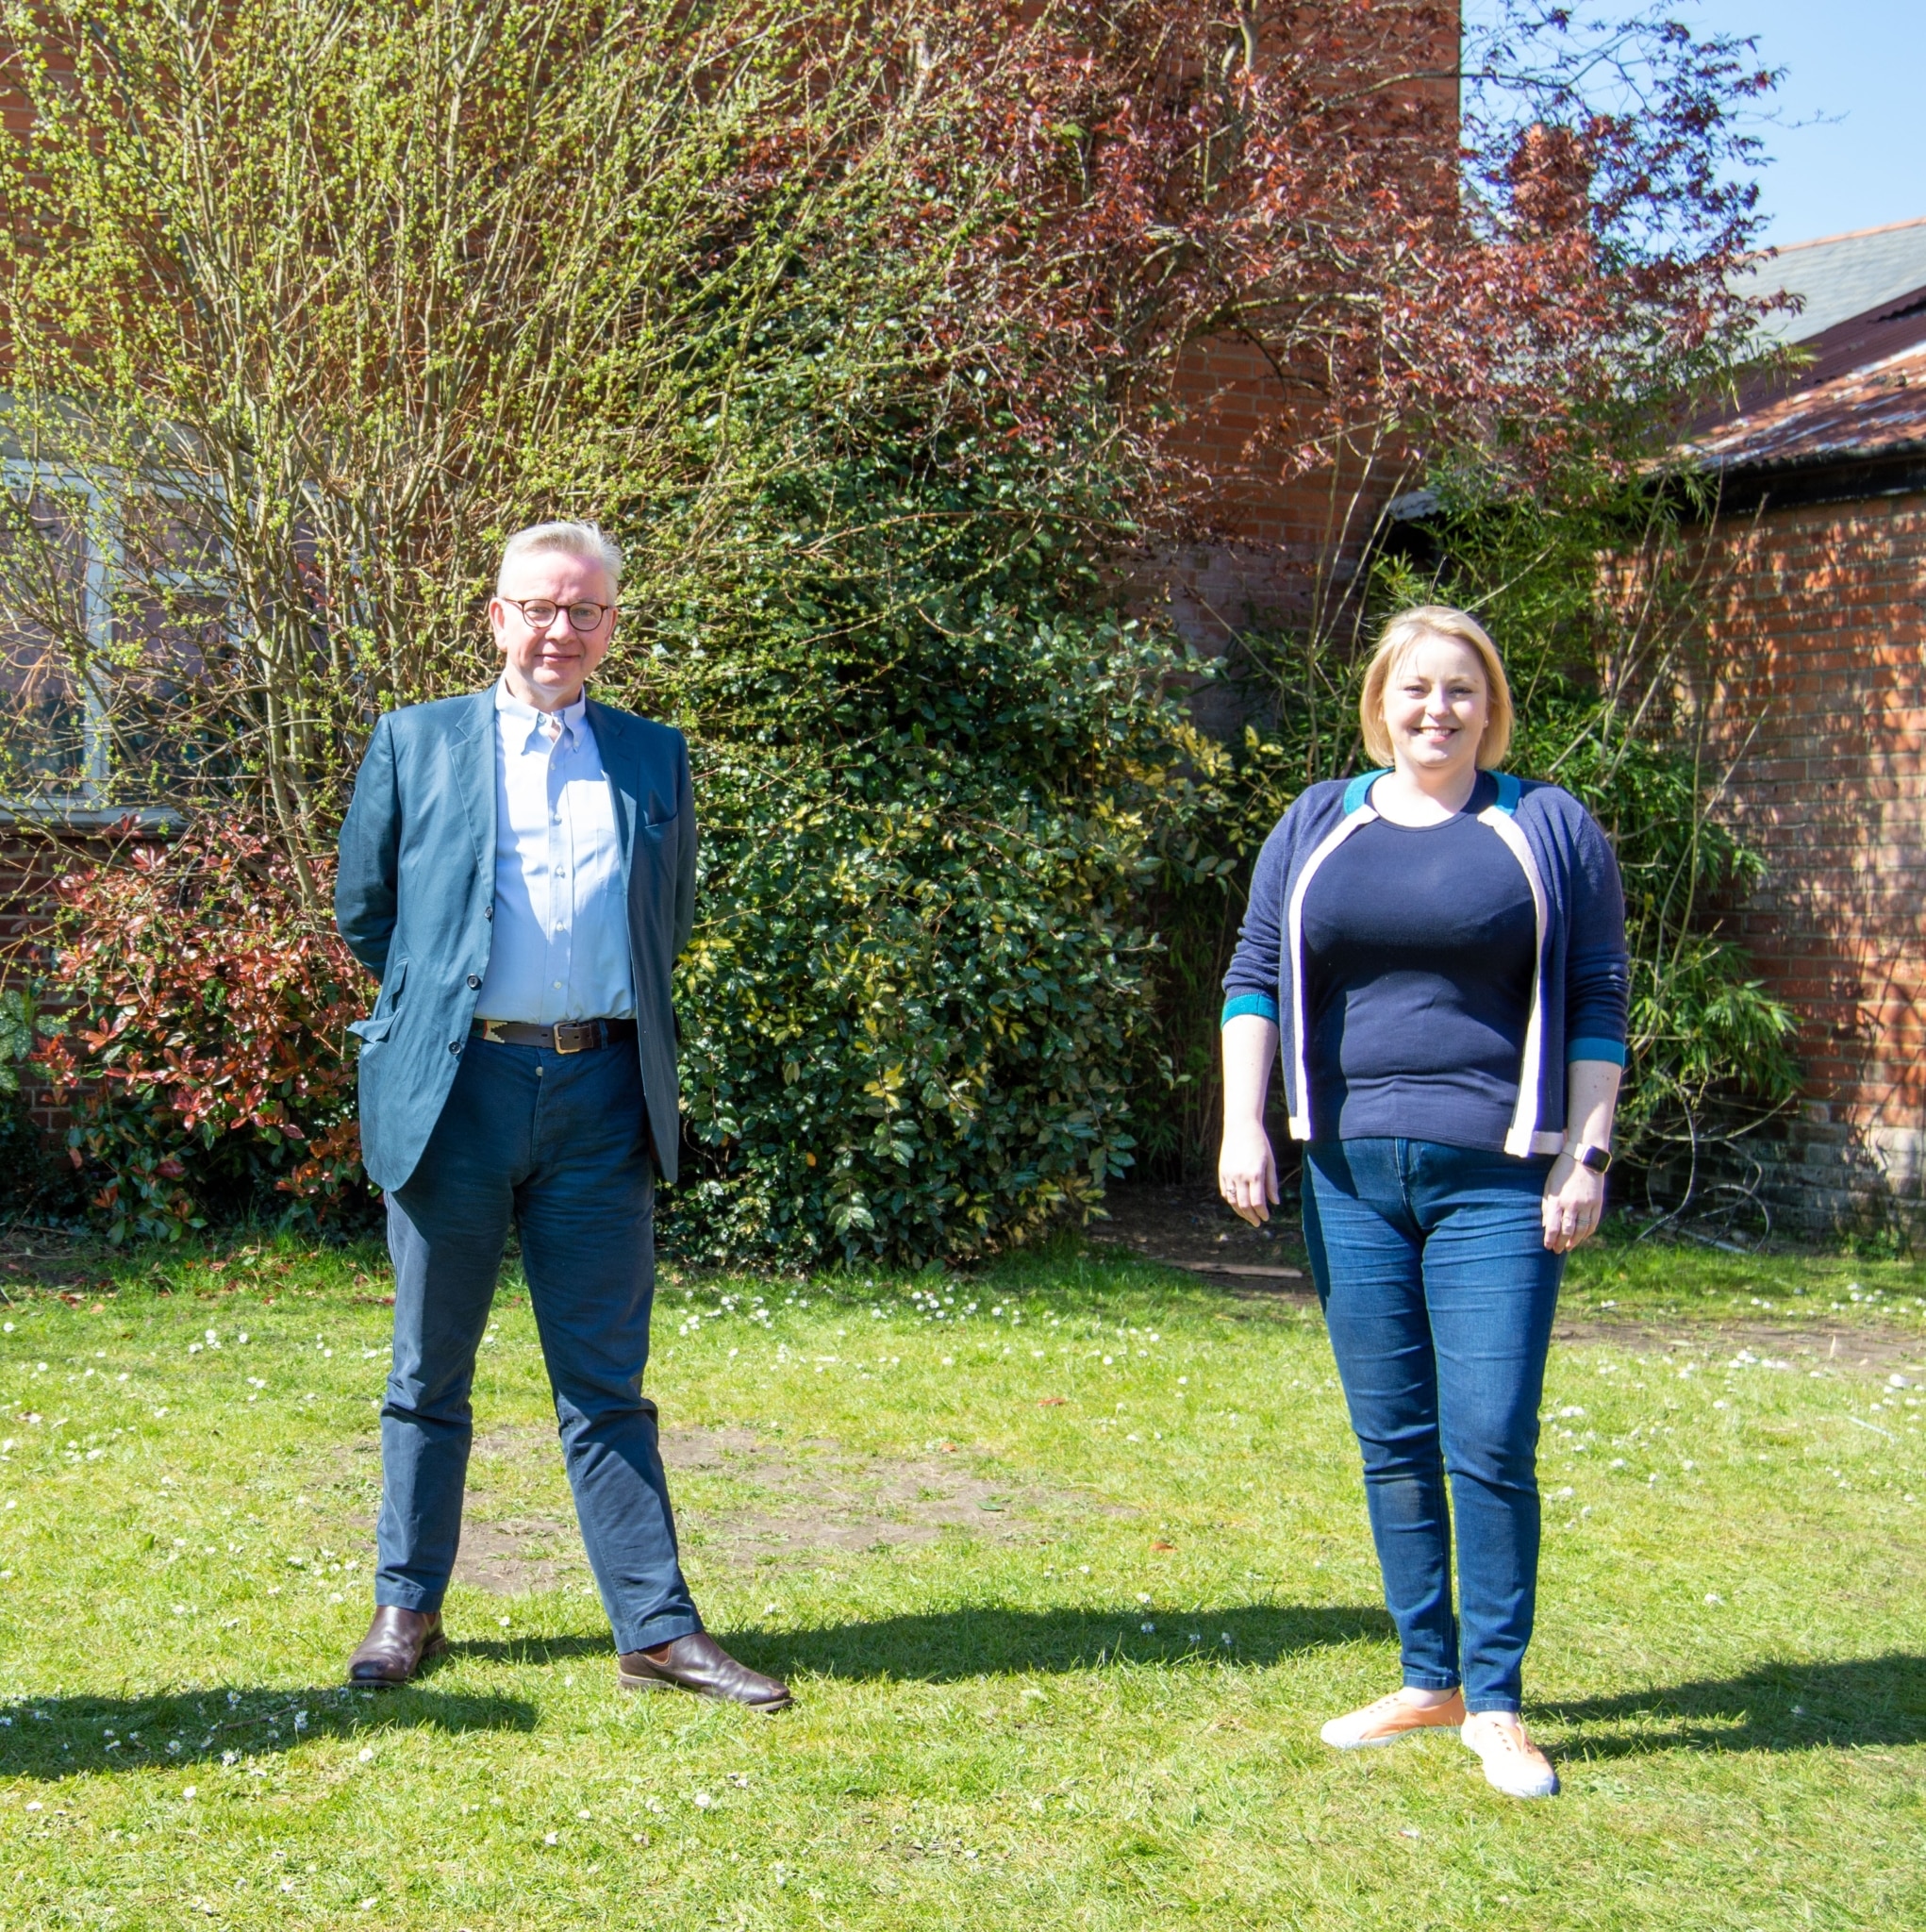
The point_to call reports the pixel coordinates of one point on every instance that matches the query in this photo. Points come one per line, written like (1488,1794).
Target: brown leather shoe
(397,1645)
(699,1663)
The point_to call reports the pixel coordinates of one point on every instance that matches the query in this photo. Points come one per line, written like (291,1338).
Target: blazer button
(487,911)
(475,980)
(454,1046)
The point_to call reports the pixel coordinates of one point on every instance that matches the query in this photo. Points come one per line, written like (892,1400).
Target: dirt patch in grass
(1187,1226)
(36,1263)
(1754,1344)
(743,1501)
(516,1553)
(821,1499)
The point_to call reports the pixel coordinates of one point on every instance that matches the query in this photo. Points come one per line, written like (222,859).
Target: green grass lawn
(1065,1580)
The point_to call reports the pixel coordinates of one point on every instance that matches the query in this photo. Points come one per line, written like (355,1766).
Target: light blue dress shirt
(559,950)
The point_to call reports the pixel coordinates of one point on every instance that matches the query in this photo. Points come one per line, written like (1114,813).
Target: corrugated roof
(1839,275)
(1867,413)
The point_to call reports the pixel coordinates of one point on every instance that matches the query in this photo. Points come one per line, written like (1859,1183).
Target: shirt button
(475,980)
(559,986)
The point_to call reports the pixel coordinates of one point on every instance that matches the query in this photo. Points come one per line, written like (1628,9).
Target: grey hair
(589,541)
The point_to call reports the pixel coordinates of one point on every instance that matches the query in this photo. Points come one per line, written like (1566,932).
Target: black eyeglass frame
(601,612)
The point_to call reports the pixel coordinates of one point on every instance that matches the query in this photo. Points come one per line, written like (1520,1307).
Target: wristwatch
(1598,1158)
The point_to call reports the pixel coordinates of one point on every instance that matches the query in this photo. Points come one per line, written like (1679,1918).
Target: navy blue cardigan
(1583,983)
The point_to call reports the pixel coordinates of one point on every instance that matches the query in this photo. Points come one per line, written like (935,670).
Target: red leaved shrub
(202,1051)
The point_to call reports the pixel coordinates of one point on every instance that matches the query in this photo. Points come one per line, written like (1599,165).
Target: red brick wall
(1290,550)
(1276,549)
(1817,690)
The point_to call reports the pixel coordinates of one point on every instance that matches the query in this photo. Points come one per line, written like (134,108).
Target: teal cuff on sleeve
(1258,1003)
(1613,1050)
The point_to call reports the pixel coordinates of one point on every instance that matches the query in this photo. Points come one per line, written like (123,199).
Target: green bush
(934,764)
(914,996)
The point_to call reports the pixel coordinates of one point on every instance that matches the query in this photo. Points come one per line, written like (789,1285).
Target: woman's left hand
(1574,1200)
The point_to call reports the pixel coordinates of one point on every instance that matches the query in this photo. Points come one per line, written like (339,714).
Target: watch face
(1598,1158)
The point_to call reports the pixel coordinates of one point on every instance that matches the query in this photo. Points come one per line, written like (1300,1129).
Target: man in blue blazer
(517,870)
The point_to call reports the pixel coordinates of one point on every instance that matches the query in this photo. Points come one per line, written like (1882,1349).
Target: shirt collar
(529,722)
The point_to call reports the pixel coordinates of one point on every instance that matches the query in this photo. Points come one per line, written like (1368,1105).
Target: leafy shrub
(201,1018)
(917,991)
(16,1036)
(934,766)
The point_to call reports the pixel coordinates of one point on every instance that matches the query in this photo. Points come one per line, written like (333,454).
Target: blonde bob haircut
(1400,636)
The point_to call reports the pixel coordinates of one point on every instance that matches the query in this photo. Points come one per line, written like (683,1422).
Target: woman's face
(1437,706)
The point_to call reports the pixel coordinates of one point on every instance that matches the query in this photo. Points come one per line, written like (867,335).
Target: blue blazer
(414,898)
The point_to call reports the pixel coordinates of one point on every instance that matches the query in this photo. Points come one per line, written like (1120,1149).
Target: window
(53,605)
(111,618)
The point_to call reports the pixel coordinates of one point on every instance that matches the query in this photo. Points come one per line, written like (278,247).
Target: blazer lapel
(624,780)
(474,751)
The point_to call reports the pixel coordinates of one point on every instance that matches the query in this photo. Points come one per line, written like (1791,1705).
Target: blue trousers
(557,1143)
(1438,1291)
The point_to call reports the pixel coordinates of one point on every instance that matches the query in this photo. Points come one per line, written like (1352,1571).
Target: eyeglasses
(538,613)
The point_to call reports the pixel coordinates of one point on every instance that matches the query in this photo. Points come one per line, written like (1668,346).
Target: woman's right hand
(1247,1172)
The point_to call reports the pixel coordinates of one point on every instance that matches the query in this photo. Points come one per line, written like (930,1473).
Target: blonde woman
(1440,949)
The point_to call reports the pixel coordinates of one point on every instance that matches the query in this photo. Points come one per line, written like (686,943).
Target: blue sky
(1863,60)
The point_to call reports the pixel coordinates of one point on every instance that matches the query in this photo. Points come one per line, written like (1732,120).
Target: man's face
(547,665)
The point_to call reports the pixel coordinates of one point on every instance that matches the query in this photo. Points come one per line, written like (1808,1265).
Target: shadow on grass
(941,1646)
(530,1650)
(944,1646)
(1866,1701)
(66,1737)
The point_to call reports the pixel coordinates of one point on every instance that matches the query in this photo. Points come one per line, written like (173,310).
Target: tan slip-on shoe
(1389,1718)
(1513,1764)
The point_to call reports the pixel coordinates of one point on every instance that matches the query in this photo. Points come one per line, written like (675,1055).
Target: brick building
(1814,690)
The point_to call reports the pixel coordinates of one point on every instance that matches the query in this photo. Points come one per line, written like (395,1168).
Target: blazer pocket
(651,841)
(376,1024)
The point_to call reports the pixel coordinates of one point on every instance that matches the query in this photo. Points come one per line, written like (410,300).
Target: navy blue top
(1418,957)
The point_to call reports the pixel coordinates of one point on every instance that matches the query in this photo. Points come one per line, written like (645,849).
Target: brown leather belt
(570,1036)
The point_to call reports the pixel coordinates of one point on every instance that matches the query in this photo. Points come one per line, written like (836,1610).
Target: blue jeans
(1438,1291)
(557,1143)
